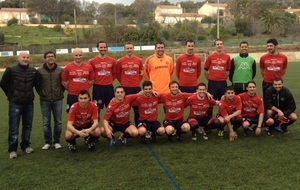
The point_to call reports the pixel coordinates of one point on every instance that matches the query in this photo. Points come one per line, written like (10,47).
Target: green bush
(57,28)
(34,21)
(12,21)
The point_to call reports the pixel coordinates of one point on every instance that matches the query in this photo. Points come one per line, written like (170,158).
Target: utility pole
(218,20)
(75,22)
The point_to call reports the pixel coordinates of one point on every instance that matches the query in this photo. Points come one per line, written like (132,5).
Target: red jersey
(188,69)
(272,65)
(78,77)
(218,65)
(148,107)
(227,108)
(104,70)
(129,71)
(252,105)
(82,117)
(174,105)
(199,106)
(119,112)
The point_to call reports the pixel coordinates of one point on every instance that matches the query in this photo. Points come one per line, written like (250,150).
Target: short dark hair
(146,83)
(278,79)
(251,82)
(49,52)
(218,40)
(243,42)
(273,41)
(119,87)
(101,42)
(229,88)
(160,42)
(83,92)
(173,82)
(202,84)
(190,40)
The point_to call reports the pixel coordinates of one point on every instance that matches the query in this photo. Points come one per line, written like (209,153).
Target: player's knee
(185,127)
(169,130)
(246,124)
(161,131)
(293,117)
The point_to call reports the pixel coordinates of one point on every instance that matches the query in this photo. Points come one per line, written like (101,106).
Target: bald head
(24,58)
(77,55)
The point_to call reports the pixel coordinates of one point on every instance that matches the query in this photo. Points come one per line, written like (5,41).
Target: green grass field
(247,163)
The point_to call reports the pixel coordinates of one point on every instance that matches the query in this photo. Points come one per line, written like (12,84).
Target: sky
(128,2)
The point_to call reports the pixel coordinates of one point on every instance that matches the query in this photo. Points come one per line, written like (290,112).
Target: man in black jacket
(280,105)
(17,83)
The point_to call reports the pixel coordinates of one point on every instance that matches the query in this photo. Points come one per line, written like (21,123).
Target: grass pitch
(246,163)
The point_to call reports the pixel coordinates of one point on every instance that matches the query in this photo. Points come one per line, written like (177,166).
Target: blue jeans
(56,108)
(16,111)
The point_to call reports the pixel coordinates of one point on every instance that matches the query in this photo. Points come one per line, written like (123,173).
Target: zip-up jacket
(49,85)
(17,83)
(282,100)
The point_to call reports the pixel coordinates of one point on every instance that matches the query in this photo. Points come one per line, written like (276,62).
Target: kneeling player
(147,105)
(117,117)
(173,103)
(199,105)
(83,122)
(229,114)
(253,110)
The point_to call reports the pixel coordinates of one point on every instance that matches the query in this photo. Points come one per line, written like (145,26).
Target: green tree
(273,20)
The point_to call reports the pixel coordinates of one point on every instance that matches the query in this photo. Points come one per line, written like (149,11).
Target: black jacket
(282,100)
(17,82)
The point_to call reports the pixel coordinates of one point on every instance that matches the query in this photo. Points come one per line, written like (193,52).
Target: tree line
(247,18)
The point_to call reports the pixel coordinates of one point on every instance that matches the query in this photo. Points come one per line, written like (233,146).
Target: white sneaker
(13,154)
(28,150)
(46,146)
(57,146)
(148,135)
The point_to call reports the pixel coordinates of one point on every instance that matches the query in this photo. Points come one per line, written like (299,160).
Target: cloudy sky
(128,2)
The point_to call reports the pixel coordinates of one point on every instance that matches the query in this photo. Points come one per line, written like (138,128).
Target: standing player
(117,117)
(173,103)
(148,109)
(188,69)
(104,68)
(253,110)
(129,73)
(216,71)
(281,105)
(230,108)
(243,69)
(272,65)
(158,69)
(83,122)
(76,76)
(199,105)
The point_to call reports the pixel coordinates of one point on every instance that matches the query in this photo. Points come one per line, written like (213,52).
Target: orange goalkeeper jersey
(159,71)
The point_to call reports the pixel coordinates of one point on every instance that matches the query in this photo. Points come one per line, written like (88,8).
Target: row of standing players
(50,81)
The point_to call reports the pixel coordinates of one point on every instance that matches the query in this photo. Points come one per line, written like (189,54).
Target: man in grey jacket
(51,91)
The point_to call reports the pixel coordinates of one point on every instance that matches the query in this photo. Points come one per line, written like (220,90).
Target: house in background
(211,9)
(171,14)
(19,13)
